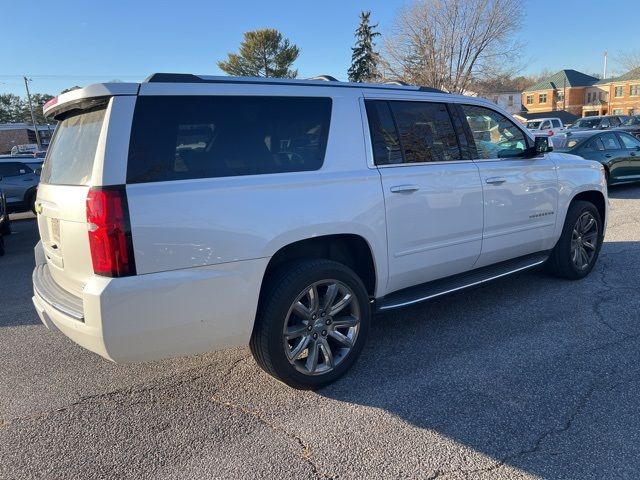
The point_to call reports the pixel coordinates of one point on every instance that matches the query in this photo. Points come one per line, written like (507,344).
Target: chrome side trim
(478,282)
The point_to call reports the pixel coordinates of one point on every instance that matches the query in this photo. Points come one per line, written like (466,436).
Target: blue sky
(80,42)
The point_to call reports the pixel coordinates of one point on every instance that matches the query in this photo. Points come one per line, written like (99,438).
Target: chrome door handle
(495,180)
(404,188)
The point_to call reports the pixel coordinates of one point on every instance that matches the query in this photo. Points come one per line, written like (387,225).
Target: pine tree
(263,53)
(364,59)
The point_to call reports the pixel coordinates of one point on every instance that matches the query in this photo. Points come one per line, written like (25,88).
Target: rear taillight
(110,232)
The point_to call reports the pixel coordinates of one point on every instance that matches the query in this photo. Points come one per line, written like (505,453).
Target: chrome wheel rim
(321,327)
(584,241)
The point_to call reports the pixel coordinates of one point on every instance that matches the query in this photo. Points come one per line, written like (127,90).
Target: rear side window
(73,149)
(13,169)
(178,138)
(411,132)
(556,123)
(610,142)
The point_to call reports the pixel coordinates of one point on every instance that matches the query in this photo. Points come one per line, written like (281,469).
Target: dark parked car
(19,178)
(631,125)
(618,151)
(597,122)
(5,228)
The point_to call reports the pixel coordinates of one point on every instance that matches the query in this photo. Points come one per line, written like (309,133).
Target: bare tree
(448,44)
(628,60)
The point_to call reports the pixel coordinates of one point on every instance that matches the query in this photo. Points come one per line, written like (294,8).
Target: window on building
(617,111)
(560,96)
(529,99)
(510,101)
(542,98)
(634,90)
(495,99)
(619,91)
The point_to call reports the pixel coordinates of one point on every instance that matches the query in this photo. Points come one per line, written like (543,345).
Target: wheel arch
(350,249)
(595,197)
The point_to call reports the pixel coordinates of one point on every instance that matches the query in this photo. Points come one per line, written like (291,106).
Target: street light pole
(33,117)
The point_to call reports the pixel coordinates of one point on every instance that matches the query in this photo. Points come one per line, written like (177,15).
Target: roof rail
(318,81)
(326,78)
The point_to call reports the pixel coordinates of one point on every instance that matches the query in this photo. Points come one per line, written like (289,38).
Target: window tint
(615,121)
(495,135)
(629,141)
(610,141)
(384,136)
(12,169)
(73,149)
(595,144)
(176,138)
(426,132)
(556,123)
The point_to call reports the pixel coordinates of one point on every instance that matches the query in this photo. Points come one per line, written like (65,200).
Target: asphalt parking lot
(525,377)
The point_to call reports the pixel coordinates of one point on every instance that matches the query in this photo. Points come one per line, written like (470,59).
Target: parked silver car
(19,180)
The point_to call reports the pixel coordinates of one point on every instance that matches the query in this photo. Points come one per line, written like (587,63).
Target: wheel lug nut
(309,328)
(313,317)
(328,322)
(324,333)
(315,335)
(324,314)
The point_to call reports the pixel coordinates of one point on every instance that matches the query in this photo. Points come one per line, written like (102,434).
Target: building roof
(630,75)
(564,78)
(24,126)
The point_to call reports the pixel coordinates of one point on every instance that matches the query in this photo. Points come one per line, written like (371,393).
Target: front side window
(545,125)
(630,142)
(542,98)
(495,135)
(556,123)
(187,137)
(610,142)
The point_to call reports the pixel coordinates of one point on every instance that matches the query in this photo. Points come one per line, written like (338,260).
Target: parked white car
(545,126)
(192,213)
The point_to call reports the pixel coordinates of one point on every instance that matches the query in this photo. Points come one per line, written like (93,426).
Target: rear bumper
(153,316)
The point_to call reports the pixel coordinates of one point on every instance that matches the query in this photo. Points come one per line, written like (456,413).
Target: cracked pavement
(525,377)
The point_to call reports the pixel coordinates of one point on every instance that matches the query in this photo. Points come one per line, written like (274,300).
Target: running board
(436,288)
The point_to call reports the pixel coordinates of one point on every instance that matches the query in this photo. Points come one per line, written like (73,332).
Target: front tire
(576,252)
(312,323)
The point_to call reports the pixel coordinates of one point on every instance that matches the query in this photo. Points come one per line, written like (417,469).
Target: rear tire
(576,252)
(312,322)
(5,229)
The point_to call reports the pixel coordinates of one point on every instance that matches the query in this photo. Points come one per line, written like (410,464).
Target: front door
(520,194)
(433,196)
(632,156)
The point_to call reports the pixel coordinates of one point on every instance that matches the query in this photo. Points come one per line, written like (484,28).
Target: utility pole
(604,73)
(33,117)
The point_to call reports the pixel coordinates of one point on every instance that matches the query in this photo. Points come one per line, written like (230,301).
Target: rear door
(65,181)
(520,193)
(432,191)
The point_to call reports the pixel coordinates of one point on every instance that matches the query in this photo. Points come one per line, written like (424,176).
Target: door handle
(495,180)
(608,155)
(404,188)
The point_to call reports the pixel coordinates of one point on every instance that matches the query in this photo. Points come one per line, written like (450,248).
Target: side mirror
(542,146)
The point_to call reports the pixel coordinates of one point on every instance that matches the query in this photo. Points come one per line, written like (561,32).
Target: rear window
(73,149)
(178,138)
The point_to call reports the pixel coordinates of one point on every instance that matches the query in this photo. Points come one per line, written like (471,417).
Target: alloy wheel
(584,241)
(321,327)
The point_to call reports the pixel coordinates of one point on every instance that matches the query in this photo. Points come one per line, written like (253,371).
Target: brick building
(614,96)
(12,134)
(565,90)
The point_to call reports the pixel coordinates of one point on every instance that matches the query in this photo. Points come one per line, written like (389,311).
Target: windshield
(586,123)
(73,148)
(534,125)
(632,121)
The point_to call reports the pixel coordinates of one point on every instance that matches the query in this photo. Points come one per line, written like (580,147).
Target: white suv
(191,213)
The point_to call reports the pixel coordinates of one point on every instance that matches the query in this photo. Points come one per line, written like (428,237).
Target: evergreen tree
(364,59)
(263,53)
